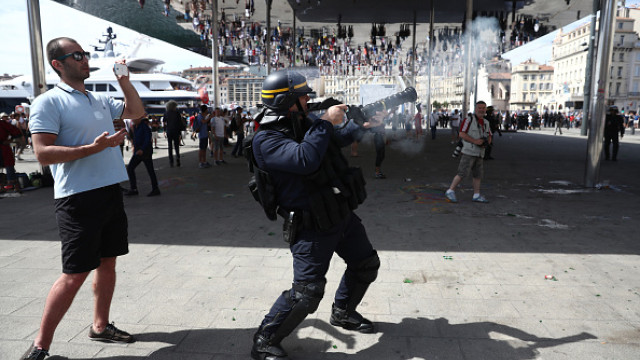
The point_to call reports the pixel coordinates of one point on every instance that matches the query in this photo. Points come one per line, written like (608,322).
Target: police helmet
(281,89)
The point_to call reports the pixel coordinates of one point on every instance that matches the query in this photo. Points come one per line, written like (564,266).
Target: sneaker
(34,354)
(350,321)
(111,334)
(154,192)
(480,199)
(132,192)
(451,196)
(379,175)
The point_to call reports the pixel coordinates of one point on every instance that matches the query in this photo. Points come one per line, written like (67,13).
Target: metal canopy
(553,12)
(385,11)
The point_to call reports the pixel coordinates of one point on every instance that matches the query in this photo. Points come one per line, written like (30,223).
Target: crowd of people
(333,50)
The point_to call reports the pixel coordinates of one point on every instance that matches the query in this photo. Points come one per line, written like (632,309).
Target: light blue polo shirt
(78,119)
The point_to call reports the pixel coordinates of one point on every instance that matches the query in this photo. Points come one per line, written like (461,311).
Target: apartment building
(532,87)
(569,58)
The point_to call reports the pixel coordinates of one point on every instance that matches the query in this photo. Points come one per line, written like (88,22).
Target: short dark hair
(54,50)
(481,102)
(203,108)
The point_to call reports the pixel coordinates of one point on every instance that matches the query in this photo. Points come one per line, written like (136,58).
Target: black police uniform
(307,168)
(613,124)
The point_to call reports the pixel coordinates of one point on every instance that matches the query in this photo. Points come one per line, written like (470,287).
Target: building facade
(569,58)
(531,87)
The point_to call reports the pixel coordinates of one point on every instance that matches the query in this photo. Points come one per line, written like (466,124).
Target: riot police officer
(613,125)
(299,157)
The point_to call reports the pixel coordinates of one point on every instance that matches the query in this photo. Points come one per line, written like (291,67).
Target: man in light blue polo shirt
(73,133)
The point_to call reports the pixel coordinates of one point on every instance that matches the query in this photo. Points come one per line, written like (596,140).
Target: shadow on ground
(412,338)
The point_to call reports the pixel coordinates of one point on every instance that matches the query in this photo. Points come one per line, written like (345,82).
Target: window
(533,77)
(619,71)
(618,88)
(532,86)
(636,70)
(101,87)
(620,25)
(525,77)
(524,87)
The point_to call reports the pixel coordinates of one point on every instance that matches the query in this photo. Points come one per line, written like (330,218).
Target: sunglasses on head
(77,55)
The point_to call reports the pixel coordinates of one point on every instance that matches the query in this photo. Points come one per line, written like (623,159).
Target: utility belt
(319,220)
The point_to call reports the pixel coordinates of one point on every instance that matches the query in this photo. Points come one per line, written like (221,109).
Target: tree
(436,105)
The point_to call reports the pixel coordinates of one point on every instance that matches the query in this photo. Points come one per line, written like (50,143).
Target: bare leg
(476,185)
(104,282)
(58,302)
(456,180)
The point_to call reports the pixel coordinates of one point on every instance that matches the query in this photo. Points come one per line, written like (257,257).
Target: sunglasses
(77,56)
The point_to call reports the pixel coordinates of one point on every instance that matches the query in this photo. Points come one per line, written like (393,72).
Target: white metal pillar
(600,92)
(214,53)
(467,58)
(37,57)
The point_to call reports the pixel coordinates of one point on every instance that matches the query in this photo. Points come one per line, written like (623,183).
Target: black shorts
(204,143)
(92,225)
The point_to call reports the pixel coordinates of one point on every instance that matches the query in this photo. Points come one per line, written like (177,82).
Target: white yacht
(154,88)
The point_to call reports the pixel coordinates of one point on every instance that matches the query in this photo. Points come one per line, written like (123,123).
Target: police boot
(350,320)
(263,350)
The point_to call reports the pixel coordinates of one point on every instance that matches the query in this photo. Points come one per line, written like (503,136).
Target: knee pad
(307,296)
(367,270)
(304,299)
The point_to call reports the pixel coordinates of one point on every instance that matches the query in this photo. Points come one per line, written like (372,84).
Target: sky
(60,20)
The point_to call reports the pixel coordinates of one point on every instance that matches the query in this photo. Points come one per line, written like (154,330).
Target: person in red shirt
(8,134)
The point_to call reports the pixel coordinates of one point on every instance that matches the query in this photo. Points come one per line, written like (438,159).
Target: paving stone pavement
(457,281)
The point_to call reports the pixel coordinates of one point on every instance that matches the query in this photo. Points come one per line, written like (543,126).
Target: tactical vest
(334,189)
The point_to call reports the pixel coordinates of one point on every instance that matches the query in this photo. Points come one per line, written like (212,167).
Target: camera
(485,142)
(457,150)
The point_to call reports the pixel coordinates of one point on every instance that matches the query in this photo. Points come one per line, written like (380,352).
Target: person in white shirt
(218,134)
(433,122)
(455,126)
